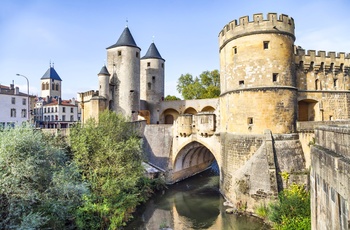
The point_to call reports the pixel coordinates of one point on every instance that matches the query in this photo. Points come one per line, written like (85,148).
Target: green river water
(194,203)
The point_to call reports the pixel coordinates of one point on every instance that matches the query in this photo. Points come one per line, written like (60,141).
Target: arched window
(317,82)
(42,86)
(47,86)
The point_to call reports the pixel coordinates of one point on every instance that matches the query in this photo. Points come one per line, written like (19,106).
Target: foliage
(262,211)
(207,85)
(39,187)
(292,211)
(171,98)
(108,152)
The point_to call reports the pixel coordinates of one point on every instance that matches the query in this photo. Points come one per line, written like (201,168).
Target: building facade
(50,110)
(15,108)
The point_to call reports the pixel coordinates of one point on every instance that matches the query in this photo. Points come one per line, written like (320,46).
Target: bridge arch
(194,157)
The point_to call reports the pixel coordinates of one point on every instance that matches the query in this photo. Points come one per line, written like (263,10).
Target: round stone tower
(152,80)
(257,77)
(123,62)
(103,80)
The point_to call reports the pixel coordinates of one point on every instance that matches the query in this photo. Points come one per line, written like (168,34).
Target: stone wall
(251,166)
(330,178)
(157,144)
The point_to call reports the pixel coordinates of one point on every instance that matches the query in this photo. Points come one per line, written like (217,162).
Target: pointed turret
(51,74)
(152,80)
(103,79)
(51,83)
(125,39)
(152,52)
(123,63)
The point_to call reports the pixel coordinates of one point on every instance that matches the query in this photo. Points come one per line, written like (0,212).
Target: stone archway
(190,160)
(307,110)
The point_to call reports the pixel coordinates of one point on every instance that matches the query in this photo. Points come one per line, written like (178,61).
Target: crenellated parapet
(320,61)
(282,24)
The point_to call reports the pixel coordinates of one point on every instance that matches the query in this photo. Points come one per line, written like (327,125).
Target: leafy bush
(292,211)
(39,186)
(108,152)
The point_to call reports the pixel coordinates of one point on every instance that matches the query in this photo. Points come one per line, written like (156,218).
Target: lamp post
(27,94)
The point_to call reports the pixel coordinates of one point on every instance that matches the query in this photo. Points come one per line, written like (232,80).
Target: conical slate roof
(152,52)
(104,71)
(125,39)
(51,74)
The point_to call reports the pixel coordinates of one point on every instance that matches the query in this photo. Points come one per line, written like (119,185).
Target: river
(194,203)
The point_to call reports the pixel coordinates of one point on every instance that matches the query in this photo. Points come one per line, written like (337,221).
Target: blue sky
(74,34)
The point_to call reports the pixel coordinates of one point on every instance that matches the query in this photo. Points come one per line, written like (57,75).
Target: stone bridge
(249,165)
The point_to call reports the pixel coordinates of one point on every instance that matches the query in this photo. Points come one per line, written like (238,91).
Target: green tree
(207,85)
(171,98)
(39,187)
(108,152)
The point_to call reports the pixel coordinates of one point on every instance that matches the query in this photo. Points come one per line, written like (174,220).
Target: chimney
(16,90)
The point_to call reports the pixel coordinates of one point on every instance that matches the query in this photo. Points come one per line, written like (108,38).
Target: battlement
(322,61)
(282,24)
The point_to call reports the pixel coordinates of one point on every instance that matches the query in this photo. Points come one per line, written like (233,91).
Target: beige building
(273,94)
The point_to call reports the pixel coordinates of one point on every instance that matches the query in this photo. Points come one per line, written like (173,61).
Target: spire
(51,74)
(104,71)
(152,52)
(125,39)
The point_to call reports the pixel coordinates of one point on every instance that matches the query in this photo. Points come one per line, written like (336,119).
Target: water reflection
(191,204)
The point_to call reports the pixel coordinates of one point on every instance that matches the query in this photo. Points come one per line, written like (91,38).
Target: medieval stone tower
(257,62)
(152,81)
(51,83)
(123,63)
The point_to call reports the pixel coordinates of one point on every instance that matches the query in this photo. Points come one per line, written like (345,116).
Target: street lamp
(27,94)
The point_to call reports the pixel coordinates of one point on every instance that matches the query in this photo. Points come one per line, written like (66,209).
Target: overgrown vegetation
(39,187)
(94,180)
(109,155)
(292,209)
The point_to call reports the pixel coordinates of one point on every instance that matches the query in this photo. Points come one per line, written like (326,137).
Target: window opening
(266,45)
(275,77)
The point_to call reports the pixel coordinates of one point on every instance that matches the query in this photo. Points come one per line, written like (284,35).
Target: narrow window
(119,53)
(234,49)
(266,45)
(71,110)
(63,109)
(13,112)
(63,117)
(137,54)
(56,109)
(13,100)
(44,110)
(149,85)
(148,64)
(53,86)
(163,65)
(241,83)
(275,77)
(24,113)
(56,87)
(335,81)
(316,84)
(250,121)
(153,79)
(71,118)
(43,86)
(331,118)
(24,101)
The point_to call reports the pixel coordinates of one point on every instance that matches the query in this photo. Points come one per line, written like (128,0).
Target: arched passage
(208,109)
(190,160)
(190,110)
(306,110)
(170,115)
